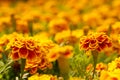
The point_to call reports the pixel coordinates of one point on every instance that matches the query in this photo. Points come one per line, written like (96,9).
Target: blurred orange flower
(58,25)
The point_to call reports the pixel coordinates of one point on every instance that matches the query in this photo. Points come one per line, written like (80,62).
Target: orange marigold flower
(40,55)
(58,25)
(31,66)
(41,63)
(4,40)
(60,51)
(89,68)
(24,48)
(22,26)
(100,67)
(96,41)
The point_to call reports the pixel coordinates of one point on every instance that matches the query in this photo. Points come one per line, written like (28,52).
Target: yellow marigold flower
(53,54)
(104,10)
(109,21)
(76,78)
(68,36)
(22,26)
(38,27)
(42,77)
(51,6)
(116,27)
(96,3)
(92,19)
(42,36)
(68,17)
(56,52)
(114,64)
(58,25)
(116,4)
(103,28)
(95,41)
(4,40)
(5,20)
(106,75)
(66,51)
(47,45)
(34,77)
(61,36)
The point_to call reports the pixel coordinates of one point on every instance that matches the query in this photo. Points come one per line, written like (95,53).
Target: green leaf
(3,68)
(1,64)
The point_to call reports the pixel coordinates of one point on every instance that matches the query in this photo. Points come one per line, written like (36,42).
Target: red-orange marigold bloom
(25,48)
(95,41)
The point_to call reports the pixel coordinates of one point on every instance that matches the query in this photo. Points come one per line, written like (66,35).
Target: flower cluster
(52,37)
(32,51)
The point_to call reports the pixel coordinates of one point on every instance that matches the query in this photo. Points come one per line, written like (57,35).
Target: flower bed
(59,40)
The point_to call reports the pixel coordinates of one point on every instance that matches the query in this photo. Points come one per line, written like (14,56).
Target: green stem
(64,67)
(5,66)
(56,69)
(109,30)
(95,55)
(13,22)
(23,62)
(30,24)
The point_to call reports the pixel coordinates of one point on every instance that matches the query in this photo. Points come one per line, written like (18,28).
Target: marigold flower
(96,41)
(42,59)
(42,77)
(114,64)
(100,67)
(92,19)
(66,51)
(68,36)
(60,51)
(22,26)
(115,75)
(53,54)
(89,68)
(116,27)
(76,78)
(68,16)
(4,40)
(24,48)
(58,25)
(41,63)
